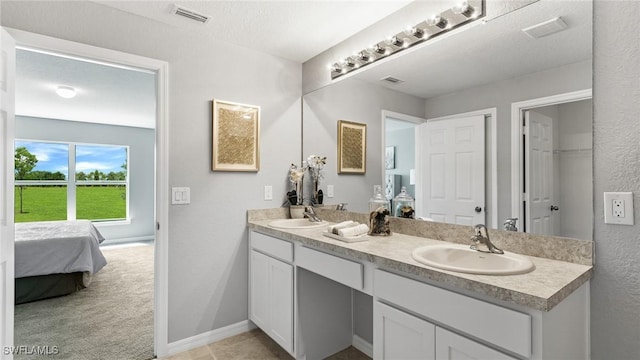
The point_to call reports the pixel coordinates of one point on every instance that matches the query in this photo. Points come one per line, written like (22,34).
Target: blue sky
(55,157)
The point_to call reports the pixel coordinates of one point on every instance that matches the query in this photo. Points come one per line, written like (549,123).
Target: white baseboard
(362,345)
(150,238)
(209,337)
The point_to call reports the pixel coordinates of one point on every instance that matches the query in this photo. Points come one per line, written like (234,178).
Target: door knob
(554,208)
(478,209)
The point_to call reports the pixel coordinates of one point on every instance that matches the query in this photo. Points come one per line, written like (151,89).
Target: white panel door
(398,335)
(451,346)
(281,303)
(7,86)
(259,287)
(538,173)
(451,170)
(271,298)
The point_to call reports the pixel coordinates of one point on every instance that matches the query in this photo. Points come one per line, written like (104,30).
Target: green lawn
(50,203)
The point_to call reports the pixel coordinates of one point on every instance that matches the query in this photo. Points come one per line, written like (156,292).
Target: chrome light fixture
(461,13)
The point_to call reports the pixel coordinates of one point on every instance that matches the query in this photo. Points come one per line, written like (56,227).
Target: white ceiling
(295,30)
(105,94)
(490,52)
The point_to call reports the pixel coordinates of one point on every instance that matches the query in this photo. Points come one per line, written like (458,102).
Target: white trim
(134,239)
(493,113)
(209,337)
(362,345)
(161,276)
(517,109)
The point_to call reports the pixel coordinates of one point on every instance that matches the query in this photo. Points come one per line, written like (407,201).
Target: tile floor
(252,345)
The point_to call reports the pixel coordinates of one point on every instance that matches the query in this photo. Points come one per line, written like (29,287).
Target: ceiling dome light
(66,92)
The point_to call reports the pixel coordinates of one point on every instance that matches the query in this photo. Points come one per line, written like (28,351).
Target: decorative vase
(296,211)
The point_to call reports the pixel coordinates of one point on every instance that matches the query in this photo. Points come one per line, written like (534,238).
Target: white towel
(360,229)
(345,224)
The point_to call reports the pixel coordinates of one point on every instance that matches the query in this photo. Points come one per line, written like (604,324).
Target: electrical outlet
(268,192)
(329,191)
(618,208)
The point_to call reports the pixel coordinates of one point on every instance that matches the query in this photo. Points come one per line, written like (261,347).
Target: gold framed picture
(236,137)
(352,147)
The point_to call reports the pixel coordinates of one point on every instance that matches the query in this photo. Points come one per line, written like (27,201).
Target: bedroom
(105,136)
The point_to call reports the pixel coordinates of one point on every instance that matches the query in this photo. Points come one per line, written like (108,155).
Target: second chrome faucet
(481,242)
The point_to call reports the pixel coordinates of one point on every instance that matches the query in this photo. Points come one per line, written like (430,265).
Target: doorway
(399,153)
(552,191)
(160,254)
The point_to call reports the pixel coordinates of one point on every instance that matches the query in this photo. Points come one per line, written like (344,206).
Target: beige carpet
(111,319)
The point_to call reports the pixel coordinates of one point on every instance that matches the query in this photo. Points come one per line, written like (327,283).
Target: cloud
(45,152)
(92,165)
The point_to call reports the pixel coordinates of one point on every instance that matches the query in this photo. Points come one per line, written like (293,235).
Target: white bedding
(57,247)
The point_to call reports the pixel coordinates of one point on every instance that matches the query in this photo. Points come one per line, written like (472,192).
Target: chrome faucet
(311,214)
(482,242)
(510,224)
(341,207)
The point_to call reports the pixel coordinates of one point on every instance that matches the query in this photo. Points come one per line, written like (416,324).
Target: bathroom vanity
(301,287)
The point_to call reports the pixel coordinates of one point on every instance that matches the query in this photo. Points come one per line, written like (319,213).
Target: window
(45,191)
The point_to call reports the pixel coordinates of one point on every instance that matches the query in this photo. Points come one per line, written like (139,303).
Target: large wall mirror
(484,125)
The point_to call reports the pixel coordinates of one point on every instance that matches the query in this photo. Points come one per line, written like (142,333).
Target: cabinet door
(451,346)
(398,335)
(259,283)
(281,303)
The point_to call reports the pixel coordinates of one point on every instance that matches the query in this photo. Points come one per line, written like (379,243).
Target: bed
(55,258)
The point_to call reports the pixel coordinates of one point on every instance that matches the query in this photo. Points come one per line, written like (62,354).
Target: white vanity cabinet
(271,288)
(455,326)
(305,303)
(398,335)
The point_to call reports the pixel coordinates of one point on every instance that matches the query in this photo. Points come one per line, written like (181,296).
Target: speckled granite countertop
(541,289)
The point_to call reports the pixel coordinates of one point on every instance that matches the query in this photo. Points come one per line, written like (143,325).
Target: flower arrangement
(314,165)
(296,176)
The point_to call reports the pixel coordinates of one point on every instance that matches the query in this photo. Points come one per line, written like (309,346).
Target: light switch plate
(180,195)
(618,208)
(268,192)
(329,191)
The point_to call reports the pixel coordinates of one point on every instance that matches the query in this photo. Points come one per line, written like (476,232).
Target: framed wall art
(352,147)
(236,137)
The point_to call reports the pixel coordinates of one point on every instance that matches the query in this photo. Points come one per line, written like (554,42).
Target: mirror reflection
(461,129)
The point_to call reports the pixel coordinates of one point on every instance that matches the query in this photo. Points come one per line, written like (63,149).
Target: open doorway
(555,178)
(90,162)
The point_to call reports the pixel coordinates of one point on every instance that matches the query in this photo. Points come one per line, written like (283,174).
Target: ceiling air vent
(190,14)
(546,28)
(391,79)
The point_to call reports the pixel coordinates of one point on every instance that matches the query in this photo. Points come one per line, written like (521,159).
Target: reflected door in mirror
(451,168)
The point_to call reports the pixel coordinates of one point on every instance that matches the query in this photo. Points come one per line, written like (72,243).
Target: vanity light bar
(463,12)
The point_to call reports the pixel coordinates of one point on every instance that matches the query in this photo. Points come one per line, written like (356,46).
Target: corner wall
(615,287)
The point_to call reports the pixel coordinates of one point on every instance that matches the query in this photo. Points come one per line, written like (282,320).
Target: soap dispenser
(404,204)
(378,199)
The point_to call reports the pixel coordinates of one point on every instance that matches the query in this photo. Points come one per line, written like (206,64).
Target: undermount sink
(296,224)
(460,258)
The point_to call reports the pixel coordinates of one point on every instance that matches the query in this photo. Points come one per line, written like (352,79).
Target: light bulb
(66,92)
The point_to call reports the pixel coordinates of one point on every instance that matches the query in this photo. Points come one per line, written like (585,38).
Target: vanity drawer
(504,327)
(271,246)
(346,272)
